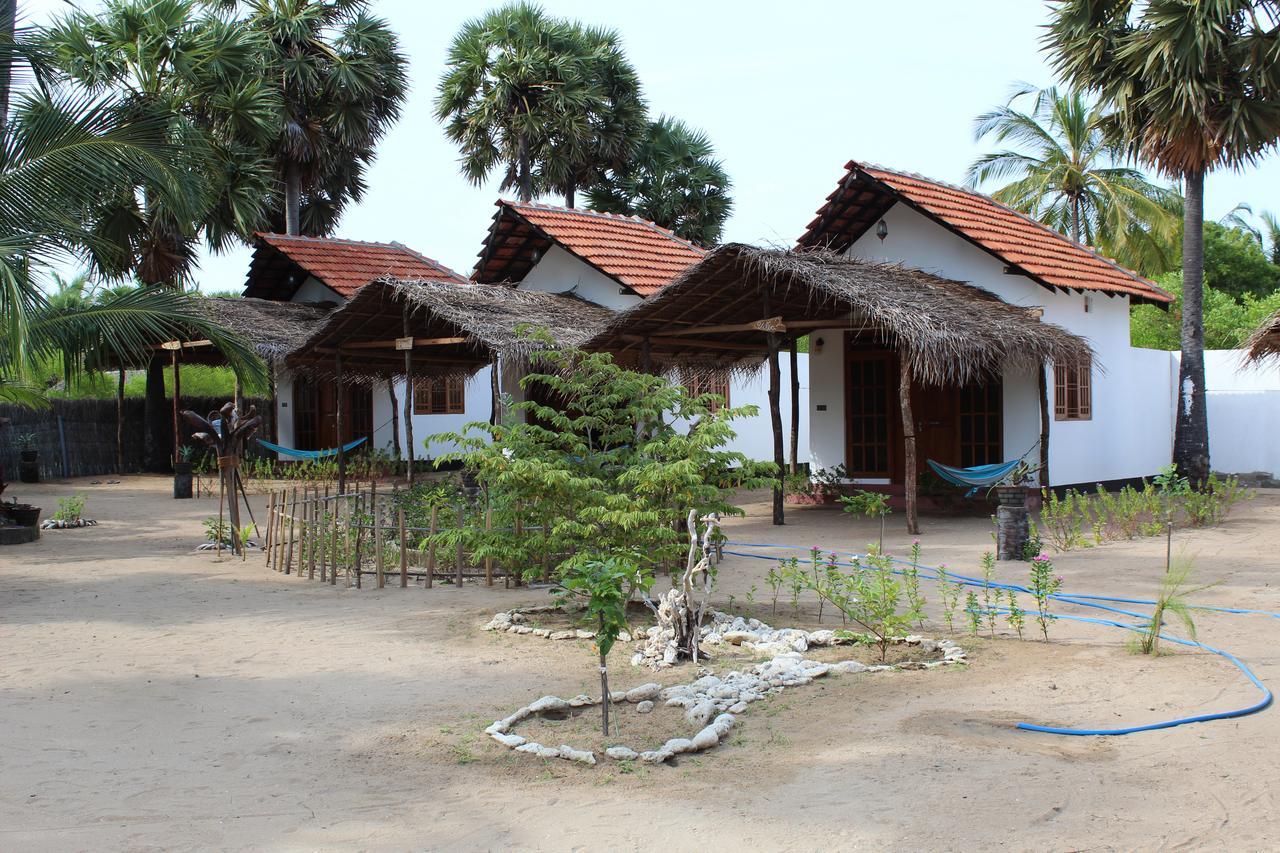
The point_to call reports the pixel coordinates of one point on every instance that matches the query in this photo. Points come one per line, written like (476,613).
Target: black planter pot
(29,466)
(181,480)
(25,515)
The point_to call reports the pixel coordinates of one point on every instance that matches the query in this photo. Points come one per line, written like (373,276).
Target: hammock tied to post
(979,476)
(311,454)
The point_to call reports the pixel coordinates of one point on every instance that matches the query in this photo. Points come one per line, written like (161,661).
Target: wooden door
(870,390)
(357,415)
(936,412)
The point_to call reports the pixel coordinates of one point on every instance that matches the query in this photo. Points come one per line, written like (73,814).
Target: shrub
(70,509)
(870,596)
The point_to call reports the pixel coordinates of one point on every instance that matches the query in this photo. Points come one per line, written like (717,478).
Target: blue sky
(788,92)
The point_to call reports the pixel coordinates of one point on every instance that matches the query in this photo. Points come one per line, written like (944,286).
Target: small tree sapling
(870,504)
(1044,583)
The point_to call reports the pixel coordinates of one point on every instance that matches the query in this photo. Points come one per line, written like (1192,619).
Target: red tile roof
(343,265)
(634,252)
(866,192)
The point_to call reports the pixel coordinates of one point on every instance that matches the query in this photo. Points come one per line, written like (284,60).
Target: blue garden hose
(1091,601)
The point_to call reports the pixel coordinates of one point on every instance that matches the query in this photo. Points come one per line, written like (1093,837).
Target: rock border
(710,702)
(60,524)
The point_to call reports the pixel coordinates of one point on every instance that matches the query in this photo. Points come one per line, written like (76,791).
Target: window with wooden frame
(1073,391)
(439,396)
(703,384)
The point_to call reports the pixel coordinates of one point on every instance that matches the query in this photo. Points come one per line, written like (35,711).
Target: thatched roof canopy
(1265,341)
(718,313)
(457,328)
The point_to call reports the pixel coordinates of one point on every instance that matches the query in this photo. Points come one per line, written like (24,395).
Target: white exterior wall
(560,272)
(478,407)
(1244,411)
(1109,446)
(314,290)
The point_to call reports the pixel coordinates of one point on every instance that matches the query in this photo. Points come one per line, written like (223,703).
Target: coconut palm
(1062,171)
(59,157)
(519,92)
(674,180)
(341,79)
(1191,86)
(1266,232)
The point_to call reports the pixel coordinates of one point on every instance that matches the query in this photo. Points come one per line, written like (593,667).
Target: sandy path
(153,698)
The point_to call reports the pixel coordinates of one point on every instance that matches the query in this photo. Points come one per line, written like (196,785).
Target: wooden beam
(696,343)
(417,342)
(769,324)
(908,441)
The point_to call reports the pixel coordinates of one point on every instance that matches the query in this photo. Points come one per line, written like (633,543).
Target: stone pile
(63,524)
(517,622)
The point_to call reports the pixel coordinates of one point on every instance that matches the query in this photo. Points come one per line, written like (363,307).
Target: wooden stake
(431,546)
(357,518)
(293,512)
(340,391)
(271,513)
(457,556)
(404,553)
(333,548)
(315,534)
(380,561)
(908,442)
(120,424)
(324,536)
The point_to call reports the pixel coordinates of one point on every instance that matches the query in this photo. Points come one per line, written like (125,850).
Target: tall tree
(610,127)
(198,70)
(540,98)
(341,79)
(1191,86)
(1063,171)
(60,156)
(674,180)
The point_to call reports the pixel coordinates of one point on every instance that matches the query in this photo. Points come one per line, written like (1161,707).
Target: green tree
(1266,232)
(59,157)
(1063,172)
(548,101)
(674,180)
(341,80)
(1191,86)
(199,71)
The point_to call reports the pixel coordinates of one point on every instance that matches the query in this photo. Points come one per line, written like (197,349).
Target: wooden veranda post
(408,399)
(908,443)
(495,392)
(342,452)
(1044,425)
(795,405)
(775,417)
(177,407)
(395,416)
(120,423)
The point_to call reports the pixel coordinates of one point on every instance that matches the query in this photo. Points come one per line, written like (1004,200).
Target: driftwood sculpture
(228,443)
(679,615)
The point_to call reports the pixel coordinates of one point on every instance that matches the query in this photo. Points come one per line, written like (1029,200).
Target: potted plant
(182,473)
(24,515)
(28,459)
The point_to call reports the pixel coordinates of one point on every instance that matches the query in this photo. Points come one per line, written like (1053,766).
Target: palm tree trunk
(1191,427)
(159,435)
(8,17)
(524,173)
(292,199)
(569,194)
(1075,219)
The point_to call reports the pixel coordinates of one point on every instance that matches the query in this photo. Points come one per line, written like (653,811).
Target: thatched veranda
(1265,341)
(741,305)
(406,329)
(274,329)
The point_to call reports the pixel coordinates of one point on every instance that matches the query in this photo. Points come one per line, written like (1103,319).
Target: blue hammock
(311,454)
(977,477)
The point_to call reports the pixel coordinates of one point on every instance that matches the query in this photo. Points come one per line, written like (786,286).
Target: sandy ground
(153,698)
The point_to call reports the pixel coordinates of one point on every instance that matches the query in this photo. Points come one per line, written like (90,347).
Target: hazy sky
(788,92)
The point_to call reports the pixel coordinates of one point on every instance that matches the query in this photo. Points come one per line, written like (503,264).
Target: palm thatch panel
(952,332)
(488,320)
(273,328)
(1265,341)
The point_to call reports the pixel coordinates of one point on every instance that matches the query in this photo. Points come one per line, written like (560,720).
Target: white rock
(521,629)
(637,659)
(821,637)
(702,685)
(497,728)
(713,638)
(644,707)
(656,756)
(769,649)
(548,703)
(724,691)
(563,635)
(677,690)
(622,753)
(617,696)
(509,741)
(680,702)
(737,638)
(700,713)
(738,708)
(624,637)
(706,738)
(542,632)
(580,755)
(913,639)
(517,616)
(670,654)
(643,692)
(581,701)
(817,671)
(847,666)
(538,750)
(584,635)
(677,745)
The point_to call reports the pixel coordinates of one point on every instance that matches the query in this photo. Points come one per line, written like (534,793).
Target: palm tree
(674,180)
(59,157)
(612,124)
(1191,87)
(520,93)
(1267,233)
(1063,172)
(341,79)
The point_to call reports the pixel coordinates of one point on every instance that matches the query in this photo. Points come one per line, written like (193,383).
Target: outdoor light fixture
(817,346)
(882,229)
